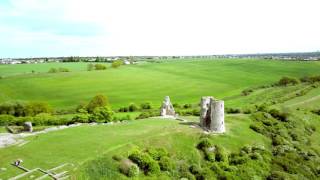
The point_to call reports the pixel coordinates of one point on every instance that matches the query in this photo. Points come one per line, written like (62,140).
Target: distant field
(184,81)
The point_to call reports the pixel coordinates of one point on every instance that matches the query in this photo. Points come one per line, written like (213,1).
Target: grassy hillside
(80,144)
(183,81)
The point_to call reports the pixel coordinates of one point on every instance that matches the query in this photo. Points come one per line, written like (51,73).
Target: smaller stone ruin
(167,108)
(27,126)
(212,114)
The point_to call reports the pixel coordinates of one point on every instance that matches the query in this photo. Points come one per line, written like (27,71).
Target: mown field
(91,148)
(183,81)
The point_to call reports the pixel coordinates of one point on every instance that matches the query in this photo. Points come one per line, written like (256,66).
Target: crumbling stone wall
(212,114)
(167,108)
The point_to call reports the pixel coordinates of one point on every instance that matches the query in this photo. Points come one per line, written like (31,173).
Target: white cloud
(171,27)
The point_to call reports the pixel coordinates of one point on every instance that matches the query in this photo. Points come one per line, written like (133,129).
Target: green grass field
(183,81)
(80,144)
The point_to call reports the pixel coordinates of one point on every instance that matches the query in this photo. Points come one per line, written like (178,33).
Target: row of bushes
(133,107)
(91,67)
(20,108)
(60,69)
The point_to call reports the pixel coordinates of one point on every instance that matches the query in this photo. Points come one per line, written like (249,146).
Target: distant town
(301,56)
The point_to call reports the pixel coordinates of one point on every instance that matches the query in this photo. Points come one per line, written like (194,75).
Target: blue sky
(33,28)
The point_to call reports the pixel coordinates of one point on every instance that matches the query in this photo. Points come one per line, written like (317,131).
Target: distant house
(126,62)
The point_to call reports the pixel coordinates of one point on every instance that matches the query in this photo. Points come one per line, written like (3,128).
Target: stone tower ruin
(212,114)
(167,108)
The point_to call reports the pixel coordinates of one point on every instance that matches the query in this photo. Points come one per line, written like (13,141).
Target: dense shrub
(186,106)
(157,153)
(100,67)
(145,162)
(220,154)
(147,114)
(101,114)
(128,168)
(246,92)
(176,105)
(97,101)
(285,81)
(310,79)
(282,116)
(166,164)
(146,105)
(117,157)
(6,120)
(117,63)
(133,107)
(17,108)
(204,144)
(233,110)
(61,69)
(81,118)
(53,70)
(316,111)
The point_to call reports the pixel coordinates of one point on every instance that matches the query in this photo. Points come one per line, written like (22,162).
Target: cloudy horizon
(52,28)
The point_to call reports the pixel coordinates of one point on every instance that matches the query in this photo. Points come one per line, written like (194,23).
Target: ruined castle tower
(167,108)
(212,114)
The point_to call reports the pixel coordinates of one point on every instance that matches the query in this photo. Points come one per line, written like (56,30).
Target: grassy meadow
(185,81)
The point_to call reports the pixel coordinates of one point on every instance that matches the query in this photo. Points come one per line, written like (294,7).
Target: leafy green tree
(90,67)
(102,114)
(53,70)
(97,101)
(117,63)
(100,67)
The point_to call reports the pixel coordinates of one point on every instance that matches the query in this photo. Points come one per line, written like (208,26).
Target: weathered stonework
(27,126)
(212,114)
(167,108)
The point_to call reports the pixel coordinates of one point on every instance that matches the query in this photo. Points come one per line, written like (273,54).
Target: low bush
(145,162)
(246,92)
(157,153)
(204,144)
(128,168)
(285,81)
(166,164)
(6,120)
(146,105)
(233,110)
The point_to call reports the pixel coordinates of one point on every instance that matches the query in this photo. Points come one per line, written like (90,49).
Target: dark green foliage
(166,164)
(157,153)
(128,168)
(310,79)
(117,157)
(147,114)
(101,114)
(176,105)
(186,106)
(100,67)
(6,119)
(97,101)
(285,81)
(146,105)
(18,108)
(81,118)
(282,116)
(246,92)
(56,70)
(233,110)
(145,162)
(204,144)
(117,63)
(220,154)
(316,111)
(133,107)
